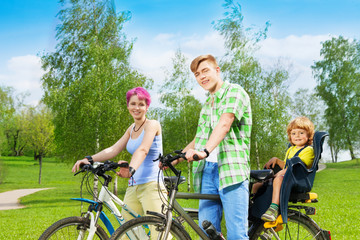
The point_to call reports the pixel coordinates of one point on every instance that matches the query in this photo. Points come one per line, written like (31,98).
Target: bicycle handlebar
(168,159)
(100,168)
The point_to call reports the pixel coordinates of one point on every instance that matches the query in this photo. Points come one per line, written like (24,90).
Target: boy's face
(208,76)
(299,137)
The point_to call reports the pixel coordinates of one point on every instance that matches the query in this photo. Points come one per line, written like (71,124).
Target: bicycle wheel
(148,227)
(72,228)
(299,226)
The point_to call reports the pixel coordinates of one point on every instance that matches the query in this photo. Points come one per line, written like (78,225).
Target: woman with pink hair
(143,140)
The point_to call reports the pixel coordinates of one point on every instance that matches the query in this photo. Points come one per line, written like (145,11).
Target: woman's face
(137,107)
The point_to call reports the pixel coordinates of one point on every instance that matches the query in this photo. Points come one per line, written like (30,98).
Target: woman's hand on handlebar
(124,171)
(79,163)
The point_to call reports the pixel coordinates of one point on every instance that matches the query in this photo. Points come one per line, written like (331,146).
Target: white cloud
(298,51)
(23,73)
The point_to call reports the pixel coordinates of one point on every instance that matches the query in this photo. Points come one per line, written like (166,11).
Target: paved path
(10,200)
(322,166)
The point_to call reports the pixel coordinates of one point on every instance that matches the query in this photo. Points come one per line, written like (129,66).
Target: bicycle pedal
(277,223)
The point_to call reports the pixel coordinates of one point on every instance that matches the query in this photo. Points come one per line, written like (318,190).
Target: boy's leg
(208,209)
(277,186)
(273,211)
(235,200)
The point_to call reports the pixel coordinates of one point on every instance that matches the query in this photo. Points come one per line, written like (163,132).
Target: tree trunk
(332,153)
(40,167)
(257,156)
(116,185)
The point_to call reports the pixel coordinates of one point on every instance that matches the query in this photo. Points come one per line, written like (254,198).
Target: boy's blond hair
(196,62)
(302,123)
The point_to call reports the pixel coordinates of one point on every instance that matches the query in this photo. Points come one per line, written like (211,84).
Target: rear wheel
(299,226)
(72,228)
(148,227)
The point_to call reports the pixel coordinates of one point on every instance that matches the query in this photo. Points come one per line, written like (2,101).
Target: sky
(160,27)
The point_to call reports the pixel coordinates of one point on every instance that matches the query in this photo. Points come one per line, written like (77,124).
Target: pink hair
(141,93)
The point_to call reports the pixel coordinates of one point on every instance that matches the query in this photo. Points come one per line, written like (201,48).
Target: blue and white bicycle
(86,226)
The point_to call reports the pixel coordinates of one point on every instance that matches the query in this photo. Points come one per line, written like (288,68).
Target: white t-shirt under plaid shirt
(233,157)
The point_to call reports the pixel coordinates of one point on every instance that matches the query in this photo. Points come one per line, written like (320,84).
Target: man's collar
(219,93)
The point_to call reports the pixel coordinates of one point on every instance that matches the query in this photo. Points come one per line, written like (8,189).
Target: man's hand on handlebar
(193,155)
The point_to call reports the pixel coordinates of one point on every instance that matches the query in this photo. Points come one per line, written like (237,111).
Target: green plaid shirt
(234,150)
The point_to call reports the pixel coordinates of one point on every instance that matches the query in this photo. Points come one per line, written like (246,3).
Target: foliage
(39,132)
(6,110)
(180,116)
(338,85)
(87,77)
(267,89)
(306,103)
(15,134)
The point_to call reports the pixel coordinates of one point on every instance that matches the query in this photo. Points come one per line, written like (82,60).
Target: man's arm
(218,134)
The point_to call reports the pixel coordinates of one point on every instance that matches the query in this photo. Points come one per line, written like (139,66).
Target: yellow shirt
(306,155)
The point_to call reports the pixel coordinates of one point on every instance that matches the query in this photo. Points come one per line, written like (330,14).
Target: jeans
(234,202)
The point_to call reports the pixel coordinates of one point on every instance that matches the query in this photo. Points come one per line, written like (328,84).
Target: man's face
(208,76)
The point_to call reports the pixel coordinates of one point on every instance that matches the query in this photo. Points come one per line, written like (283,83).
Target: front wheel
(72,228)
(299,226)
(148,227)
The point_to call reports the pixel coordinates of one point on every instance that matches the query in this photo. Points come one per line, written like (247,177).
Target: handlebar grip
(196,157)
(124,164)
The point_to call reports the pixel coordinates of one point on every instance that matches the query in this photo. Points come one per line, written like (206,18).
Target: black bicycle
(168,225)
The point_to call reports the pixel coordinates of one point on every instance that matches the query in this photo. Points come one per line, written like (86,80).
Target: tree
(14,132)
(180,117)
(87,77)
(306,103)
(267,89)
(338,85)
(39,132)
(7,109)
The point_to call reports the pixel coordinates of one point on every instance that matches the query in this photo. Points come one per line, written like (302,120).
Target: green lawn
(338,208)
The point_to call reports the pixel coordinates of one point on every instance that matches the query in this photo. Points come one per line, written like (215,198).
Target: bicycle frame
(109,199)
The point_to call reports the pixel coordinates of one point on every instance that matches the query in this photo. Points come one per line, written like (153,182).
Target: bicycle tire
(299,226)
(139,226)
(69,228)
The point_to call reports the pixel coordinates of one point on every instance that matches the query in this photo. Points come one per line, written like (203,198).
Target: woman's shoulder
(153,124)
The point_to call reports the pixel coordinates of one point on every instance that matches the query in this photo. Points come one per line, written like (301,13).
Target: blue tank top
(148,170)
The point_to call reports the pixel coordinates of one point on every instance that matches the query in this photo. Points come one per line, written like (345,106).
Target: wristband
(132,171)
(90,159)
(207,152)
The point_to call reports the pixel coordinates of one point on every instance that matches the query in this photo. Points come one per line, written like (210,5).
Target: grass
(338,208)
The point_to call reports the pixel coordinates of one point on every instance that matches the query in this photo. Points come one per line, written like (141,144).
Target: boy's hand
(271,163)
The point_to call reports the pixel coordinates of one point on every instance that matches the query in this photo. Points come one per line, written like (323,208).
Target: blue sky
(27,28)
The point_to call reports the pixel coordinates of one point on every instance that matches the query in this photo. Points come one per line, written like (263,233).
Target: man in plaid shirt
(222,143)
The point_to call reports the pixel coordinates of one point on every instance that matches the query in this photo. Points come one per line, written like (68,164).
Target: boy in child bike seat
(300,133)
(222,143)
(143,140)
